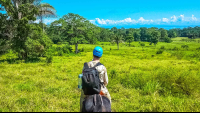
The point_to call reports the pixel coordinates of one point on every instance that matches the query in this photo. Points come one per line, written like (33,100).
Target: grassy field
(162,78)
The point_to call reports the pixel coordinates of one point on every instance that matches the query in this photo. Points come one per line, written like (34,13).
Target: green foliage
(167,39)
(129,38)
(175,49)
(162,47)
(136,36)
(172,33)
(49,55)
(165,82)
(185,46)
(116,36)
(37,42)
(60,50)
(155,35)
(11,56)
(163,33)
(160,51)
(142,44)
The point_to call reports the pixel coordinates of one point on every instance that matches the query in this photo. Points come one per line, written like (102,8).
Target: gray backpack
(96,103)
(90,81)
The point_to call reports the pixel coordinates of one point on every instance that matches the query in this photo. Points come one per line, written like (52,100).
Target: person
(103,76)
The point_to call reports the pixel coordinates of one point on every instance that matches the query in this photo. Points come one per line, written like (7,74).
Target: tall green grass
(140,80)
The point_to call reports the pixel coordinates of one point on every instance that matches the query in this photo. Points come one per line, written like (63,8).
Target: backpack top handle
(86,65)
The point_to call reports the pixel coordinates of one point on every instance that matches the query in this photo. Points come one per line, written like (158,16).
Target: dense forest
(20,33)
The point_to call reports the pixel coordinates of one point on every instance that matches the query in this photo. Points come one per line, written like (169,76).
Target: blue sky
(132,13)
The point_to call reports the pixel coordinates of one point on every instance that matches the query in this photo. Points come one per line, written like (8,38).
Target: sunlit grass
(139,79)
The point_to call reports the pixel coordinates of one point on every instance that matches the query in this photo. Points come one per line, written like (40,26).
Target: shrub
(175,49)
(49,59)
(185,46)
(178,54)
(49,55)
(113,73)
(142,44)
(198,48)
(167,39)
(10,56)
(59,43)
(159,51)
(162,47)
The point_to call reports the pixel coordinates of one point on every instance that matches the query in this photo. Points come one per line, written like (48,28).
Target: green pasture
(161,78)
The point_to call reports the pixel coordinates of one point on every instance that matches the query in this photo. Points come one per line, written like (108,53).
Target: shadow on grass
(17,60)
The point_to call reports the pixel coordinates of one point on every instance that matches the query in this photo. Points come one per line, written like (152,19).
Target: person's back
(97,53)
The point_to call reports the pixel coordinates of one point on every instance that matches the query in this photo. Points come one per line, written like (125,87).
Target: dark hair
(96,57)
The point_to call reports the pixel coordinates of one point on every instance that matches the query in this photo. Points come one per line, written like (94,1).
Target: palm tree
(117,39)
(45,11)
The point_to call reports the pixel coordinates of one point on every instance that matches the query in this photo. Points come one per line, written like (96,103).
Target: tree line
(20,33)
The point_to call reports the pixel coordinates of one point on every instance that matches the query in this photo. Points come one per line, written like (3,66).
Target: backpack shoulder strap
(98,64)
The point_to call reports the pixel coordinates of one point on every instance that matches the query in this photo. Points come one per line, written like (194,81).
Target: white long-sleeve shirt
(103,76)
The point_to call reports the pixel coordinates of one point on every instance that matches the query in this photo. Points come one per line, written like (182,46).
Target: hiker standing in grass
(97,53)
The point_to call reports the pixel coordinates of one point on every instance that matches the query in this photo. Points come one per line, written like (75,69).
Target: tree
(129,39)
(136,36)
(155,35)
(46,10)
(172,33)
(92,33)
(76,28)
(117,37)
(163,33)
(105,35)
(24,36)
(143,33)
(114,30)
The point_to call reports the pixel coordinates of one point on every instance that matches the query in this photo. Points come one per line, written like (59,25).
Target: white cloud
(181,18)
(141,19)
(100,21)
(128,20)
(194,18)
(165,20)
(173,18)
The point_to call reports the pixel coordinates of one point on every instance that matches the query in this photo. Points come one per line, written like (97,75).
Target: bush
(49,55)
(175,49)
(198,48)
(59,43)
(162,47)
(10,56)
(185,46)
(167,39)
(113,73)
(49,59)
(159,51)
(178,54)
(61,49)
(142,44)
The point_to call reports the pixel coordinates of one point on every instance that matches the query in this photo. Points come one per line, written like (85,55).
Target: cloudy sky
(132,13)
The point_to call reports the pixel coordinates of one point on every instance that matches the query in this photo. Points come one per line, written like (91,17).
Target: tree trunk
(118,45)
(42,24)
(17,6)
(76,46)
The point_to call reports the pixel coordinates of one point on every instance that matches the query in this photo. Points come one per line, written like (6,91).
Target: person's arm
(105,77)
